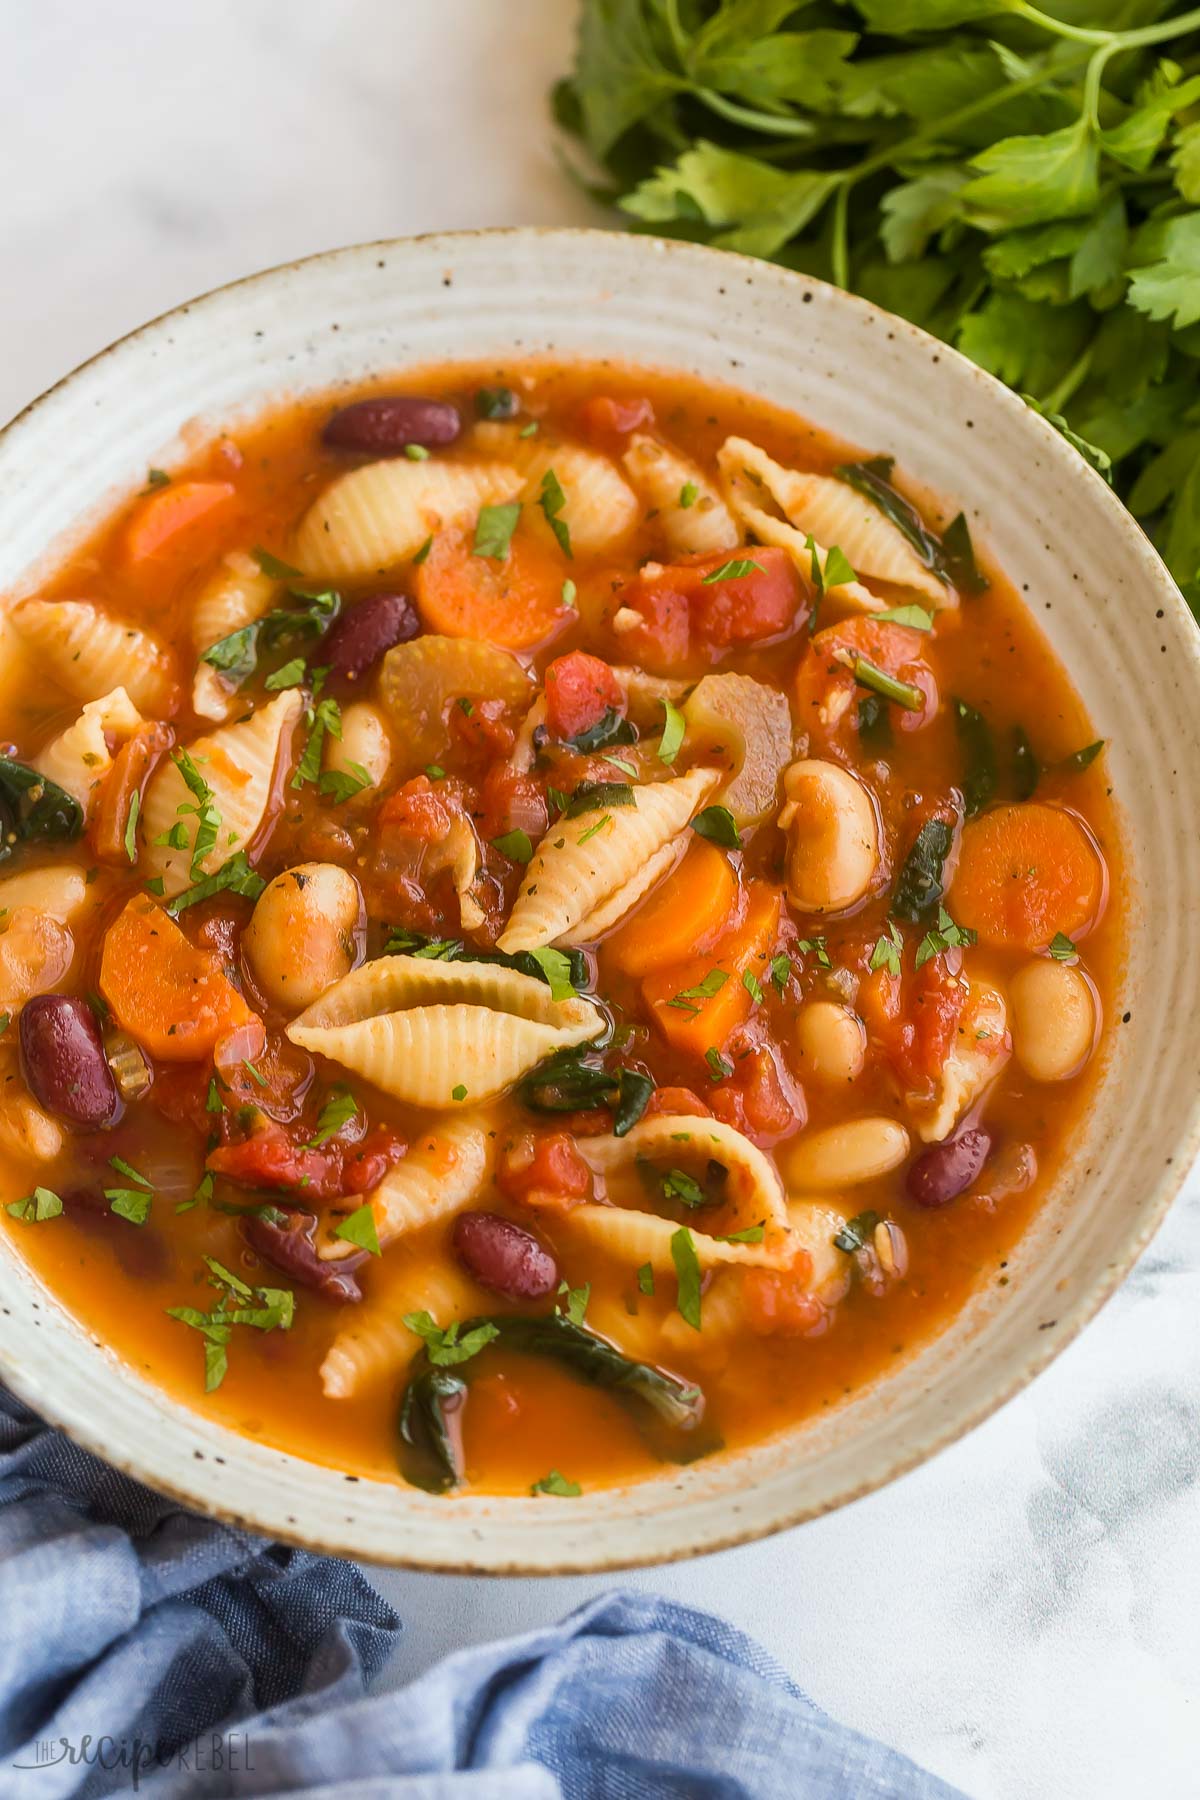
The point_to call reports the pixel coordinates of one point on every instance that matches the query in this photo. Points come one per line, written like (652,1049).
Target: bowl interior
(1108,608)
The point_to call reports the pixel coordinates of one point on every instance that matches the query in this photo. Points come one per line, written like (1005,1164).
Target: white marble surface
(1023,1615)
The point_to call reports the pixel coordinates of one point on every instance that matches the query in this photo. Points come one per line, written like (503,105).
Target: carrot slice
(515,601)
(685,914)
(172,511)
(694,1009)
(169,995)
(1027,872)
(133,766)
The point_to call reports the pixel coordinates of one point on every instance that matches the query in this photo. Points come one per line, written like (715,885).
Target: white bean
(364,741)
(1053,1019)
(305,934)
(831,1042)
(842,1155)
(60,890)
(834,849)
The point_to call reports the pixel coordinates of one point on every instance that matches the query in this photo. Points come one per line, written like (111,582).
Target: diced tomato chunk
(416,810)
(826,689)
(914,1017)
(677,1100)
(604,417)
(760,1099)
(272,1159)
(683,612)
(484,729)
(580,689)
(511,801)
(544,1169)
(780,1302)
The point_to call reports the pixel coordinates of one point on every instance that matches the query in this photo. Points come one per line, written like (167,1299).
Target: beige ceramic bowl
(1108,607)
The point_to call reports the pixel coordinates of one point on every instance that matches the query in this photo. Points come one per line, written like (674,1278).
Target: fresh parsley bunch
(1025,184)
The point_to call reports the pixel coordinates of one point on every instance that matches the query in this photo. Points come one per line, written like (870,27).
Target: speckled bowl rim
(34,1390)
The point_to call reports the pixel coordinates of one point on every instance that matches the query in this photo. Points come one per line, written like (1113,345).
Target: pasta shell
(660,475)
(419,679)
(722,1319)
(237,594)
(381,514)
(814,1227)
(612,910)
(89,654)
(576,869)
(238,763)
(428,1031)
(375,1343)
(599,507)
(754,1196)
(759,492)
(982,1045)
(637,1334)
(79,759)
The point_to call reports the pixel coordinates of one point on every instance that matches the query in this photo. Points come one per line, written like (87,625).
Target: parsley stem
(1058,396)
(778,124)
(840,248)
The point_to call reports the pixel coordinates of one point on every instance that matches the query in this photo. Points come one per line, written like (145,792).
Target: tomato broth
(849,924)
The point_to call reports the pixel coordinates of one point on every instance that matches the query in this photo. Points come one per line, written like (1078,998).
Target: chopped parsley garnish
(131,1203)
(687,494)
(719,1067)
(834,572)
(712,984)
(687,1274)
(716,823)
(213,1103)
(569,592)
(156,478)
(340,785)
(1082,759)
(634,1089)
(1062,949)
(325,717)
(556,968)
(556,1484)
(289,676)
(418,556)
(674,728)
(416,453)
(234,877)
(435,771)
(551,499)
(202,808)
(815,947)
(888,950)
(734,570)
(459,1092)
(945,935)
(753,986)
(750,1234)
(645,1278)
(446,1349)
(359,1228)
(915,617)
(592,830)
(496,403)
(339,1108)
(494,529)
(781,969)
(515,845)
(276,1313)
(576,1301)
(131,825)
(678,1185)
(37,1207)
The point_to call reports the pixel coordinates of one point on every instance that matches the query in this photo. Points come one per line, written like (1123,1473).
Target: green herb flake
(435,771)
(781,970)
(716,823)
(156,478)
(598,796)
(496,403)
(1082,759)
(418,556)
(494,529)
(645,1278)
(1062,949)
(736,569)
(569,592)
(358,1228)
(917,618)
(552,500)
(752,1234)
(446,1349)
(339,1108)
(688,494)
(322,720)
(233,877)
(719,1067)
(576,1301)
(677,1184)
(290,675)
(888,950)
(556,967)
(945,935)
(131,824)
(340,785)
(213,1102)
(673,732)
(558,1485)
(416,453)
(634,1089)
(459,1092)
(36,1208)
(753,986)
(815,947)
(687,1274)
(515,845)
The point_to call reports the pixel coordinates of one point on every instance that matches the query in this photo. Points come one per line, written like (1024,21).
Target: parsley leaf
(716,823)
(733,570)
(551,499)
(359,1228)
(445,1349)
(515,845)
(687,1274)
(494,528)
(339,1108)
(556,1484)
(37,1207)
(674,728)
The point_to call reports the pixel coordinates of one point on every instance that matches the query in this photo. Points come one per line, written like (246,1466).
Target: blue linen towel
(143,1647)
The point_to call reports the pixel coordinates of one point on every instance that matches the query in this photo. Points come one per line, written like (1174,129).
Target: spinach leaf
(975,736)
(920,884)
(431,1411)
(34,809)
(1026,770)
(607,731)
(874,723)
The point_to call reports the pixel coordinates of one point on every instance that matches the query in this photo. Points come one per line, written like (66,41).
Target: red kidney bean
(947,1170)
(504,1256)
(292,1248)
(356,640)
(63,1061)
(386,425)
